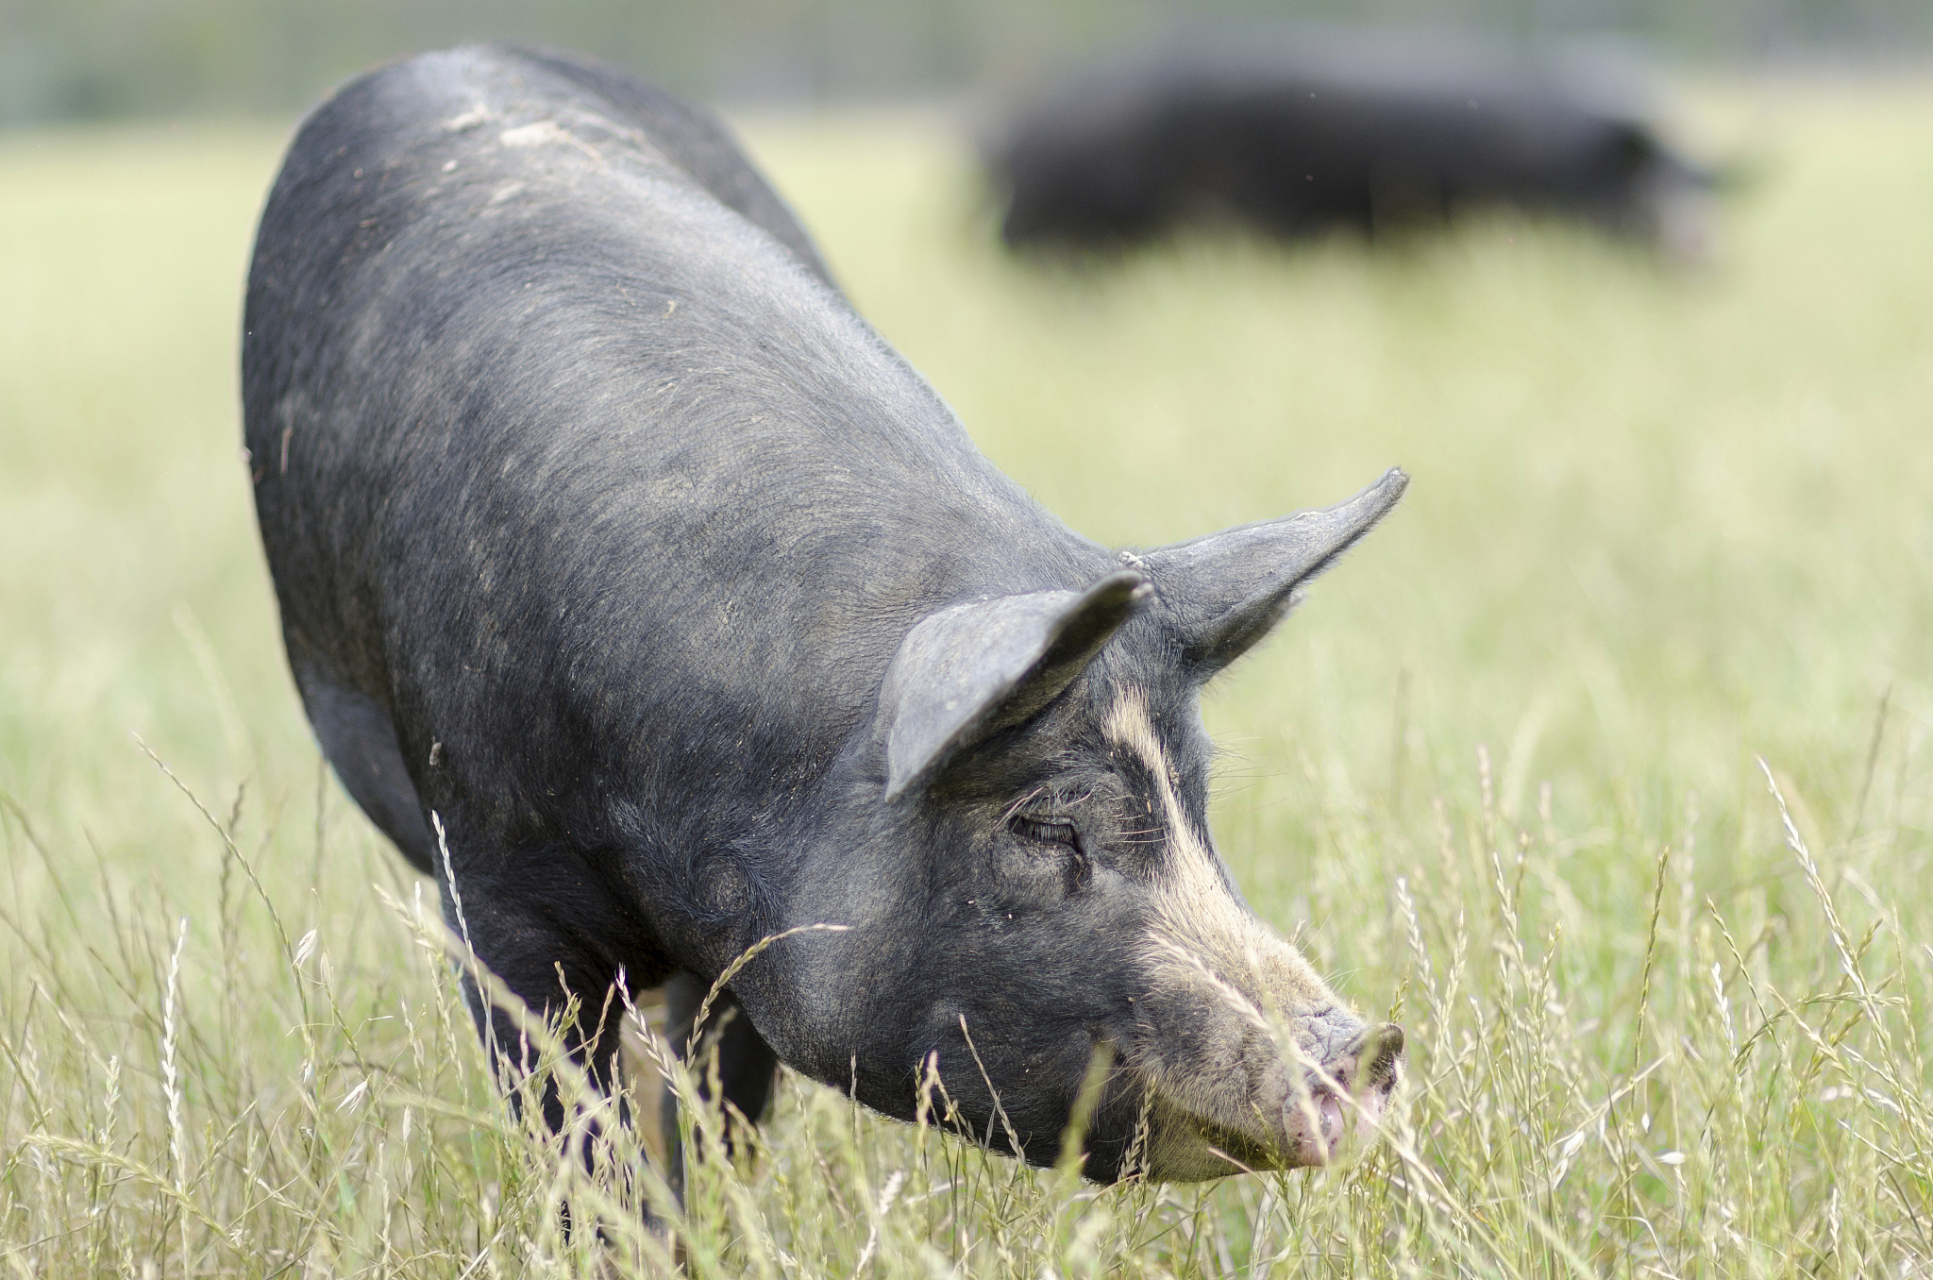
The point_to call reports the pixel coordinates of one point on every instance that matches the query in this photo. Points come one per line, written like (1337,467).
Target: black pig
(1299,139)
(605,531)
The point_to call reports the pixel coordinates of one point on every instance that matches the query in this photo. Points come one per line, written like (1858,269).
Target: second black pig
(1302,138)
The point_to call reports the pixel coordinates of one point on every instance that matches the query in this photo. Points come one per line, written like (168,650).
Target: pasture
(1668,1011)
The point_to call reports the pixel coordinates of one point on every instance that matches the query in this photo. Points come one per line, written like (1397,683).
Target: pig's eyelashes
(1065,840)
(1047,832)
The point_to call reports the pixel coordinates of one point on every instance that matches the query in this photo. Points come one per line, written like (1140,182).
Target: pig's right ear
(969,671)
(1224,592)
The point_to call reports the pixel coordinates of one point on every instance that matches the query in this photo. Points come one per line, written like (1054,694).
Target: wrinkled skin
(1090,907)
(606,533)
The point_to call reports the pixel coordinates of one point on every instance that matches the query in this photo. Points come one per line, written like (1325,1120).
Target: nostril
(1377,1056)
(1358,1081)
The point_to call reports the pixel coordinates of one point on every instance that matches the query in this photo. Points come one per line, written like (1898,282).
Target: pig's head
(1038,885)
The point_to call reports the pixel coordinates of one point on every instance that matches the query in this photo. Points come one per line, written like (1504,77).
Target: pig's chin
(1318,1130)
(1183,1147)
(1329,1117)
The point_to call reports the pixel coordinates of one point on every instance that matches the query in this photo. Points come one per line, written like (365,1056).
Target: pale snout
(1357,1081)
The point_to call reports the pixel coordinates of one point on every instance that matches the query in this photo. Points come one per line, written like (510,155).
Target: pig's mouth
(1355,1084)
(1301,1115)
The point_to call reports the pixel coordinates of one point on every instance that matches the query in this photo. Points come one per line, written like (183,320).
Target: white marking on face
(1216,967)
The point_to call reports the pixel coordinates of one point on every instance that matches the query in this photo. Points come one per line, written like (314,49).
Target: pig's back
(574,461)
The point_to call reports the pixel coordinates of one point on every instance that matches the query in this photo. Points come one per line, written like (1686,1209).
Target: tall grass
(1603,767)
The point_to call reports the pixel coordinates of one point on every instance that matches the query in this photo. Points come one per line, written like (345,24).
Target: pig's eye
(1047,831)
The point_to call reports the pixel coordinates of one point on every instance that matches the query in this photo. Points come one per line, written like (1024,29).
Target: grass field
(1500,776)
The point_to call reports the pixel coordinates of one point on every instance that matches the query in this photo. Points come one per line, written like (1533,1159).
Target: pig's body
(1323,134)
(599,523)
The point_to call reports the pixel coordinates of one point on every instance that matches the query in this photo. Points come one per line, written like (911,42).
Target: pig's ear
(969,671)
(1223,592)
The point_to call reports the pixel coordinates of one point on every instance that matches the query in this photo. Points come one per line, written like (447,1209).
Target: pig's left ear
(1223,592)
(967,672)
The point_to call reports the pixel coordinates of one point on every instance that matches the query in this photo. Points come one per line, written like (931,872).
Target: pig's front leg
(747,1067)
(538,925)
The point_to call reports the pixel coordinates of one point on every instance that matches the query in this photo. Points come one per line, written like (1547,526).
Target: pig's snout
(1365,1072)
